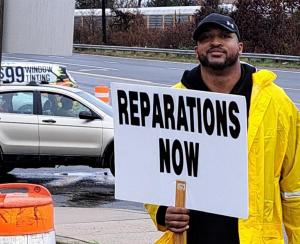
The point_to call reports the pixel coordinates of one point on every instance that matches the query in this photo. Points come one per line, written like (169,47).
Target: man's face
(218,49)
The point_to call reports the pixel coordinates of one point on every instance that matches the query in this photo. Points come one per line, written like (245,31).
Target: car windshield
(95,101)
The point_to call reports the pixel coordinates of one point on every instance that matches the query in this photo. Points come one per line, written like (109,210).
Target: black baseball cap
(223,21)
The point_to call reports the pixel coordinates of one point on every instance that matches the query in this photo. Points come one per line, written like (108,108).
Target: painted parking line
(181,69)
(116,78)
(13,58)
(292,89)
(110,62)
(286,71)
(66,63)
(90,70)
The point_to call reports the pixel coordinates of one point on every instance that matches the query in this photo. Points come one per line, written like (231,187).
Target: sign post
(180,202)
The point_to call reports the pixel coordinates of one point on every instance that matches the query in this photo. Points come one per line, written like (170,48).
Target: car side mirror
(87,115)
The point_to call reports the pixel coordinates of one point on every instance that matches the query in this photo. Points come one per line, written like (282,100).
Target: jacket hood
(264,77)
(190,78)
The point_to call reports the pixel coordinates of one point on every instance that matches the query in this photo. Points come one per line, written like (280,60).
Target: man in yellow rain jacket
(273,147)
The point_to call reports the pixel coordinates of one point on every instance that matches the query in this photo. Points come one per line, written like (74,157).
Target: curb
(70,240)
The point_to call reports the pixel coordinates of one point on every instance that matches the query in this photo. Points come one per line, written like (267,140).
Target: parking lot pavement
(103,226)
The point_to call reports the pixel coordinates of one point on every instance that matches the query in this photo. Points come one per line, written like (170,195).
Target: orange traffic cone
(26,214)
(102,92)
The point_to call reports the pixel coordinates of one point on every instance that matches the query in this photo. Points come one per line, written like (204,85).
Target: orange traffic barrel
(26,214)
(102,92)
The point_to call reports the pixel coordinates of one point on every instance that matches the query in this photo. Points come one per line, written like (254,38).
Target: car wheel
(112,163)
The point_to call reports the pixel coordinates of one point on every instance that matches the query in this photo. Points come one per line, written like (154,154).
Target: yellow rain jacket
(273,165)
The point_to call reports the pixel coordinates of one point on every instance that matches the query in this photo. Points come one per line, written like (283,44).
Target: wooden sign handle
(180,202)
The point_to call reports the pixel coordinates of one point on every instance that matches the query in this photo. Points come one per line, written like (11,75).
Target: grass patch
(186,58)
(273,63)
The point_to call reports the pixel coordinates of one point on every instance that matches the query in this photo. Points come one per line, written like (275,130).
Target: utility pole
(1,27)
(103,21)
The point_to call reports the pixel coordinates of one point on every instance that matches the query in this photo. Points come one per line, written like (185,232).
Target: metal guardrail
(185,52)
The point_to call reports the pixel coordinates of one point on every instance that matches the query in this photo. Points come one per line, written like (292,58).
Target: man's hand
(177,219)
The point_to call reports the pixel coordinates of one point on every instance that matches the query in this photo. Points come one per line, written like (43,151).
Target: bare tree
(268,25)
(164,3)
(87,4)
(208,6)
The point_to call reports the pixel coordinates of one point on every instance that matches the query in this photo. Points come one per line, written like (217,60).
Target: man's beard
(229,61)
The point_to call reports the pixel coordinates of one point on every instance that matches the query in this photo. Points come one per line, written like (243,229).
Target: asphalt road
(93,70)
(74,186)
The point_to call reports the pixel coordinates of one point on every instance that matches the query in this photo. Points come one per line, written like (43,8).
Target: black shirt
(204,227)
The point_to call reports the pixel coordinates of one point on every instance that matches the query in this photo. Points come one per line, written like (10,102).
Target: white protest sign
(166,134)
